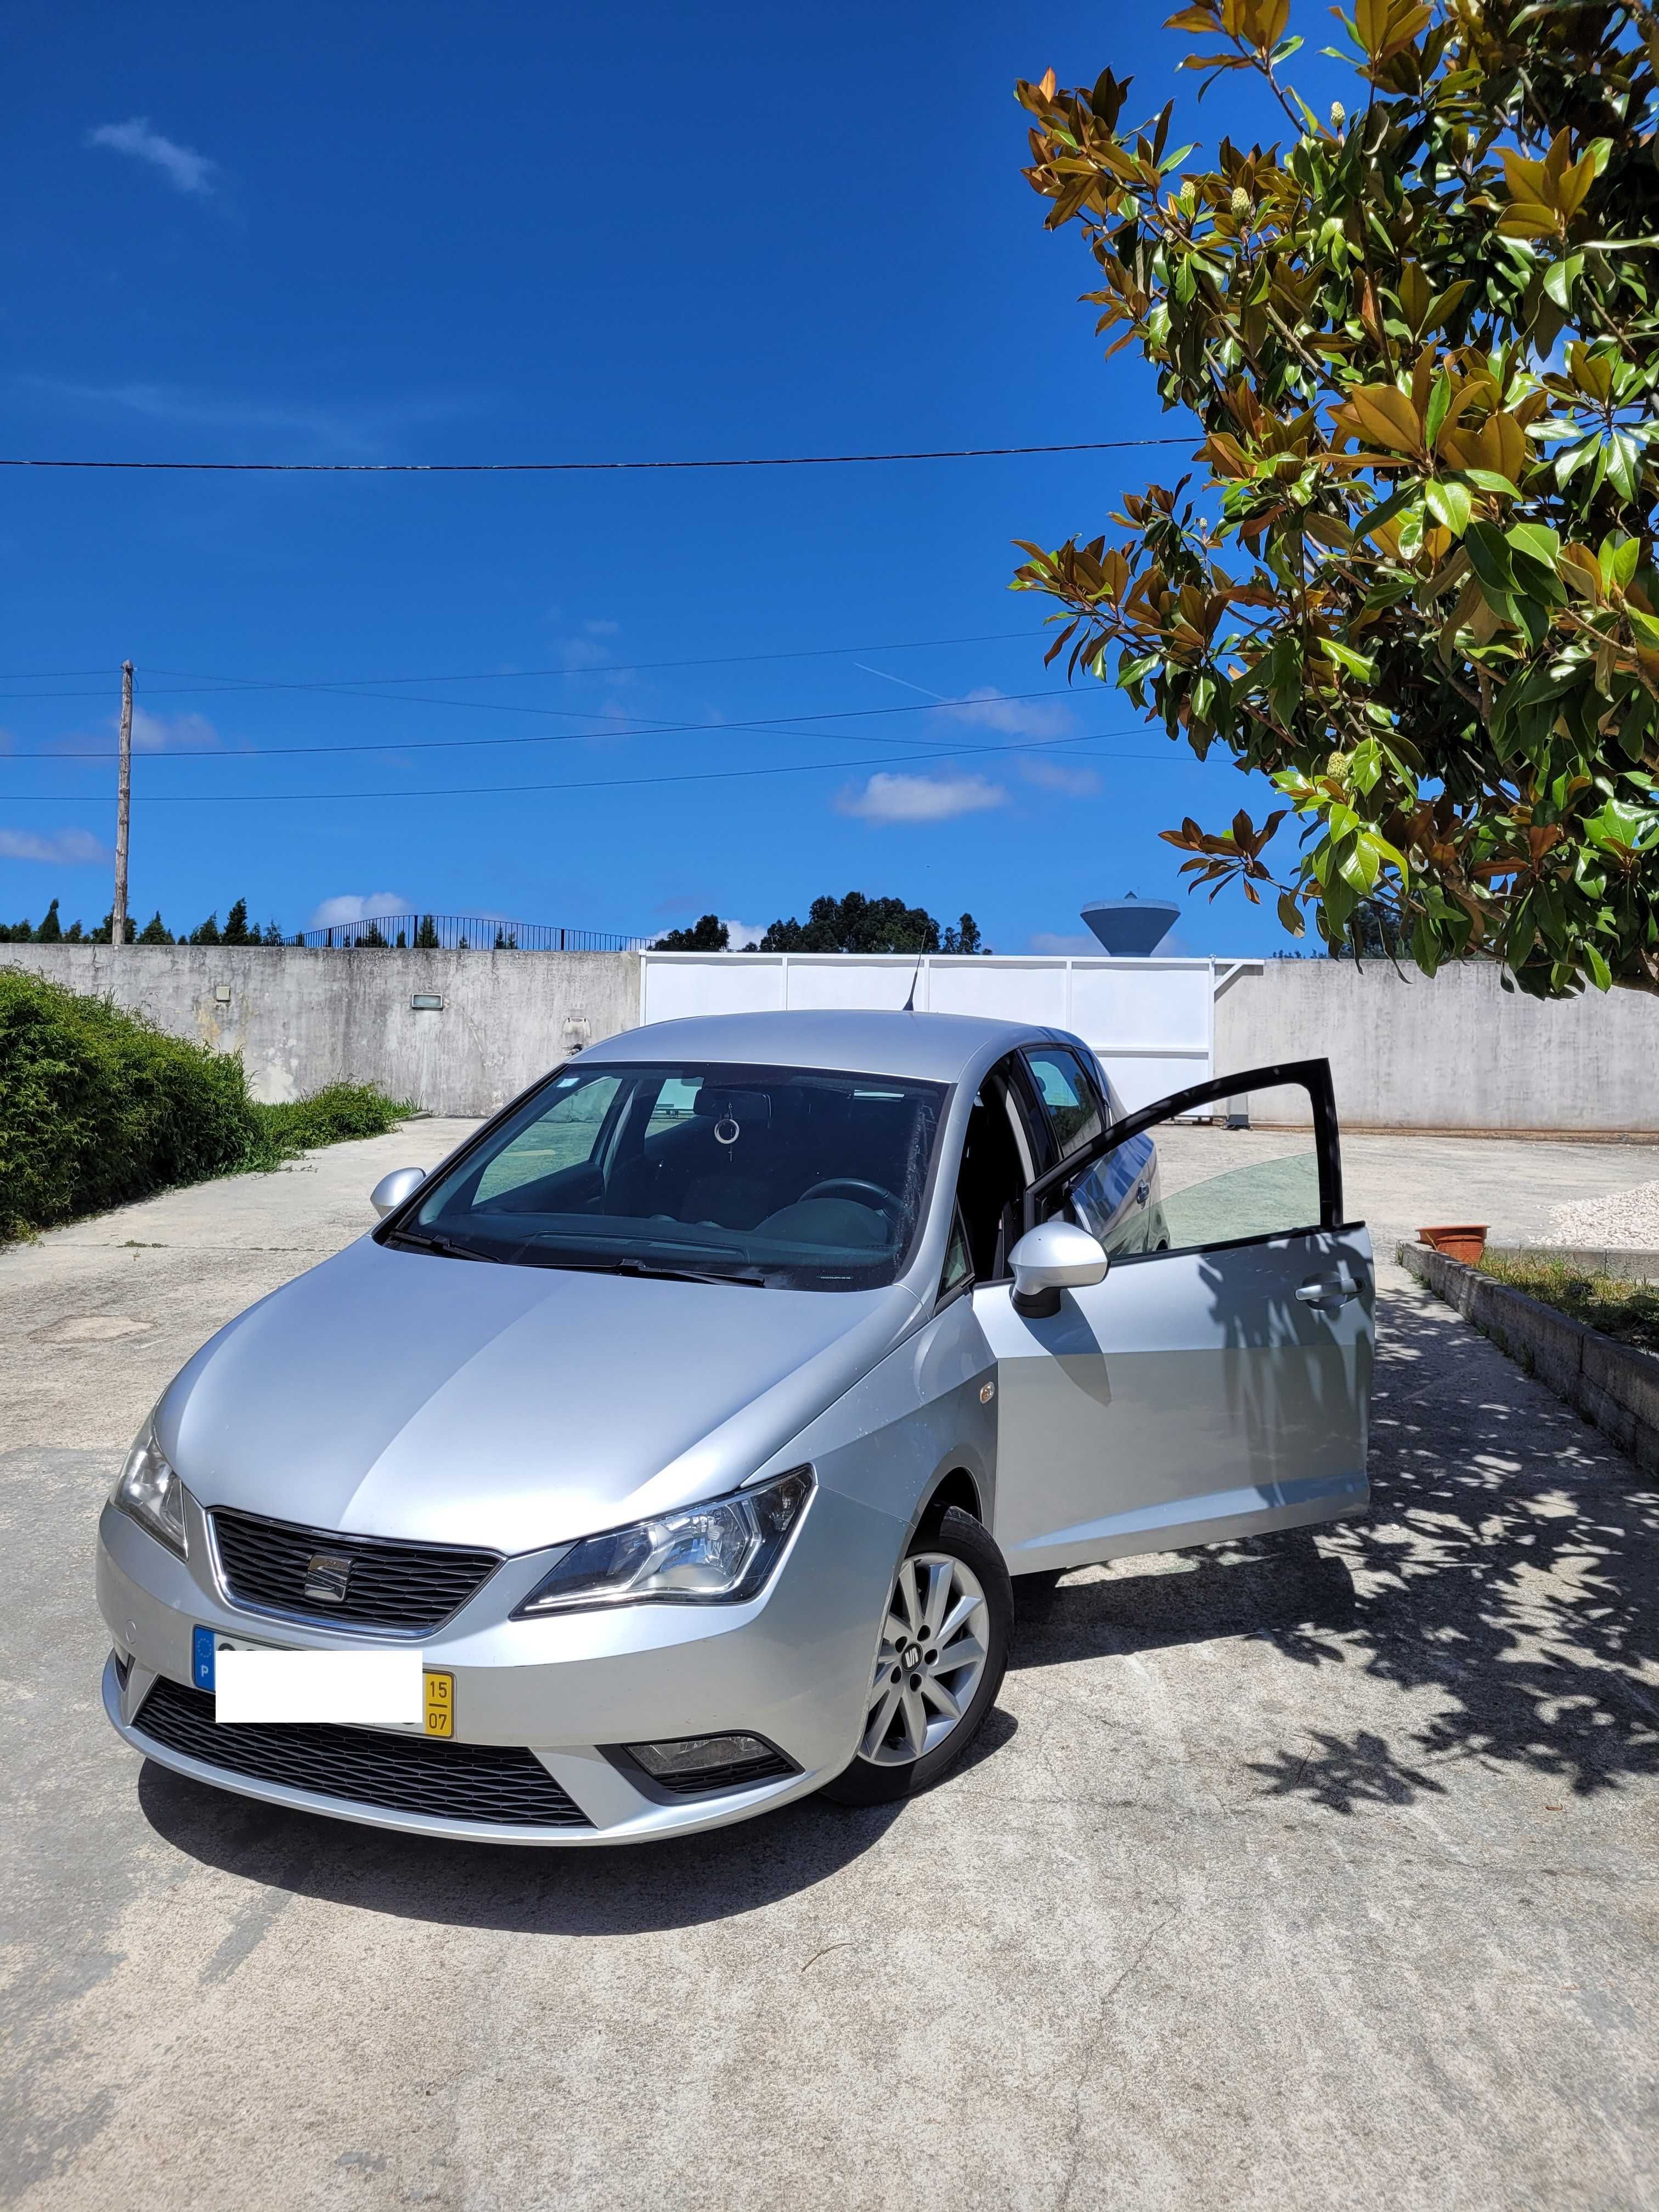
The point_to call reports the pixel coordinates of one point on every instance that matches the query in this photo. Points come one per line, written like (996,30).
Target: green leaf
(1448,503)
(1533,538)
(1489,557)
(1600,974)
(1489,480)
(1619,560)
(1346,657)
(1560,279)
(1439,401)
(1399,503)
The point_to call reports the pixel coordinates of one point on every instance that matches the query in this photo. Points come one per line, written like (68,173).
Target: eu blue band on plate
(201,1658)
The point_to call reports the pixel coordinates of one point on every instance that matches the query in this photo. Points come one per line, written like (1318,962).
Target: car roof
(930,1048)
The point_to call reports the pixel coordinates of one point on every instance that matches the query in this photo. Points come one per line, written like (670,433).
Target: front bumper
(791,1666)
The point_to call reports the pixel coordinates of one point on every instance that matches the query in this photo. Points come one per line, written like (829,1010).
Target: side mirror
(1054,1257)
(389,1193)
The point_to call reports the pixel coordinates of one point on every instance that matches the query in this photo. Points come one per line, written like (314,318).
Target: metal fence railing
(464,932)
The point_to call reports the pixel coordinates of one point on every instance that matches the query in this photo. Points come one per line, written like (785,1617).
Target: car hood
(397,1393)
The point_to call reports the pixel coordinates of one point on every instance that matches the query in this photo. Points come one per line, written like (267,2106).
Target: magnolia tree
(1413,582)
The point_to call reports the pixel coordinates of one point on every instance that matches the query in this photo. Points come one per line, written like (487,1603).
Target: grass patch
(1628,1311)
(330,1116)
(99,1107)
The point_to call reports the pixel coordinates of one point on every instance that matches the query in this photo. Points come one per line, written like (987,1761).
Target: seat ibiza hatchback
(670,1450)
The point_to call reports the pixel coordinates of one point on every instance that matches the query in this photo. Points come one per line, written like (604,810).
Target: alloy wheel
(934,1644)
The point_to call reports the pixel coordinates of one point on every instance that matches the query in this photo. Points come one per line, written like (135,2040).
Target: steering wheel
(851,1183)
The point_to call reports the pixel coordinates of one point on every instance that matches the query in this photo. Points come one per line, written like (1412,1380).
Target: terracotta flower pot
(1463,1240)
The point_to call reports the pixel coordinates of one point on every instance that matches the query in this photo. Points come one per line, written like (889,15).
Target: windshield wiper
(446,1246)
(630,1264)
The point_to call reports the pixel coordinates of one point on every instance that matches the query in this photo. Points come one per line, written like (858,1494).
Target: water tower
(1129,927)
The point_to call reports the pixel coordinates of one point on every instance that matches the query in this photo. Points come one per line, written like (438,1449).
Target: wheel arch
(956,1486)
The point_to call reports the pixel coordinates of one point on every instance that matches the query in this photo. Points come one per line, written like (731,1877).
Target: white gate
(1151,1021)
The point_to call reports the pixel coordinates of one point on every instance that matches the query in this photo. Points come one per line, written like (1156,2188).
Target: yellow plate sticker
(439,1704)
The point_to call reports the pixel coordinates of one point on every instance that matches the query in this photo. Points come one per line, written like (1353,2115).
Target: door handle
(1316,1293)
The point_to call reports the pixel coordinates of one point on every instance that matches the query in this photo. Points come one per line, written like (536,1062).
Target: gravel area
(1627,1219)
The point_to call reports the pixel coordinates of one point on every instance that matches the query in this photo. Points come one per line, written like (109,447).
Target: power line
(598,468)
(765,724)
(595,783)
(196,683)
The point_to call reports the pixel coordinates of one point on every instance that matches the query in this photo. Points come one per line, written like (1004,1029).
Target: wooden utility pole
(117,926)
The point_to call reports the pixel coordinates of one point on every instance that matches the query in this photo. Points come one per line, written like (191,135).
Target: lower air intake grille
(380,1583)
(492,1783)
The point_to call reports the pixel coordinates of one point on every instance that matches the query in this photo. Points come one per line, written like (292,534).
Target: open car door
(1216,1382)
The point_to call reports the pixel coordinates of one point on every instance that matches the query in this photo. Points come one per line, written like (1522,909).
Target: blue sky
(427,233)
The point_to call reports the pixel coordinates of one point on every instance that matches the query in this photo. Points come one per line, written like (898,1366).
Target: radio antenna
(910,1005)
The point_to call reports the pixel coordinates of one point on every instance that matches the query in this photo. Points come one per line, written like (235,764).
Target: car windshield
(783,1176)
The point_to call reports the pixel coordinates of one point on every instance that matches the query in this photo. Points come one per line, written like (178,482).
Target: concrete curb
(1611,1384)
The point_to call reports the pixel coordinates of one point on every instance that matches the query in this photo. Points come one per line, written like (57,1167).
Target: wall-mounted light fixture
(428,1002)
(221,994)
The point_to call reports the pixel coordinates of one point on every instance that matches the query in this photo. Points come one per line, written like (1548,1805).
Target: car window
(958,1260)
(999,1162)
(1245,1166)
(786,1178)
(564,1136)
(1068,1097)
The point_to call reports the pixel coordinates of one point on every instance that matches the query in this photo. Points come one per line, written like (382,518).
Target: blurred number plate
(437,1702)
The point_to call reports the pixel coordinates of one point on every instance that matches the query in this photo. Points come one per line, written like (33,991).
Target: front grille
(410,1586)
(489,1782)
(733,1776)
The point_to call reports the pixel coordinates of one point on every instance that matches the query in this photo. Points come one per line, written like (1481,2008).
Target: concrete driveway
(1313,1873)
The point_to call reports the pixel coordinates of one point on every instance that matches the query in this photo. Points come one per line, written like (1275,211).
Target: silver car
(691,1427)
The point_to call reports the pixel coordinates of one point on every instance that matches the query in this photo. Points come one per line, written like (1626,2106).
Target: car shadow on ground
(628,1890)
(1505,1584)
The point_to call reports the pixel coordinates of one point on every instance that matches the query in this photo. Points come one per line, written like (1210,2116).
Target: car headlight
(149,1489)
(716,1553)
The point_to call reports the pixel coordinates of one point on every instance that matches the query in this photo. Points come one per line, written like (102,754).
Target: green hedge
(98,1107)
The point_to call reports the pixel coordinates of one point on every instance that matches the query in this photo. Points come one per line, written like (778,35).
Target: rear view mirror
(1054,1257)
(389,1193)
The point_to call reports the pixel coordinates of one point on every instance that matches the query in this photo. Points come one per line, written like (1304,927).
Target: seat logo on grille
(326,1575)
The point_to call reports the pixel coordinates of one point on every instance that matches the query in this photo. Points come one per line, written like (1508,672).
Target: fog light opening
(699,1765)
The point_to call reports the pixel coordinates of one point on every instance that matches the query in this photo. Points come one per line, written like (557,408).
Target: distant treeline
(237,930)
(856,923)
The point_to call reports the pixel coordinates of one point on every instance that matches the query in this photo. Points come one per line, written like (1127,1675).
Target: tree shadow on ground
(1510,1564)
(630,1890)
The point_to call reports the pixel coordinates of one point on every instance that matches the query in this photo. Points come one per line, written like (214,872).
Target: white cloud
(358,906)
(188,172)
(602,628)
(739,933)
(1054,775)
(160,734)
(987,708)
(352,431)
(887,798)
(62,849)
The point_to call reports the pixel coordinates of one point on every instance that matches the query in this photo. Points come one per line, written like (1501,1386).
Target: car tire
(952,1572)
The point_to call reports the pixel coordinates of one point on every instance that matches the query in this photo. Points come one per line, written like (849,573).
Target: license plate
(438,1684)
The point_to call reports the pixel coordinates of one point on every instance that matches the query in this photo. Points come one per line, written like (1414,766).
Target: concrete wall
(301,1018)
(1453,1052)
